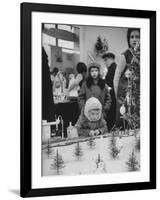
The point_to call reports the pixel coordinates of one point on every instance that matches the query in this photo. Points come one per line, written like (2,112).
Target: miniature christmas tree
(58,163)
(100,165)
(132,162)
(91,143)
(137,146)
(114,150)
(98,160)
(78,151)
(48,148)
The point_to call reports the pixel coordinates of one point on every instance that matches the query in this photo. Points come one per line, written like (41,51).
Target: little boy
(91,121)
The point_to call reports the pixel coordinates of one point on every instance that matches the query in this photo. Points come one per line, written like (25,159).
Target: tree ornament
(128,73)
(122,109)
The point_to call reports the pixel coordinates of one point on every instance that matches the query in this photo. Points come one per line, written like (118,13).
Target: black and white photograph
(90,99)
(87,100)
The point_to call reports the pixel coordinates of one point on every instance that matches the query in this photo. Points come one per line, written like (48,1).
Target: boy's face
(108,61)
(94,73)
(94,115)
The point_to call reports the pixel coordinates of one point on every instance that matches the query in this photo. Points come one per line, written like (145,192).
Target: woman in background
(127,79)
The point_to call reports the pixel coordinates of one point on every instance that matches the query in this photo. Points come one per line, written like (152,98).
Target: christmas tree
(58,163)
(99,44)
(48,148)
(132,162)
(91,143)
(114,150)
(78,151)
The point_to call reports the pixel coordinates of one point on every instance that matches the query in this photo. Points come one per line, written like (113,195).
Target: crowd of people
(101,99)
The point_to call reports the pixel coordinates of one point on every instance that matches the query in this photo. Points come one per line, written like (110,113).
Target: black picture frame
(26,189)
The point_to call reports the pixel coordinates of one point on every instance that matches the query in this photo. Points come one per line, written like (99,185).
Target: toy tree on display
(137,146)
(114,149)
(58,163)
(48,148)
(91,143)
(100,165)
(78,151)
(98,160)
(133,164)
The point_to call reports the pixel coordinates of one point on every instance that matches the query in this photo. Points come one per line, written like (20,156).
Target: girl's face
(94,73)
(134,38)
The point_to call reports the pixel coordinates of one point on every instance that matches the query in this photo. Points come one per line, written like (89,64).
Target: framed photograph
(88,99)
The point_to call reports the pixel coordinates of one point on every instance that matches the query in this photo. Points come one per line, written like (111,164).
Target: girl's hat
(94,65)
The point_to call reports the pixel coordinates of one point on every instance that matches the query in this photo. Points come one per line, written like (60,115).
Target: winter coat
(84,126)
(102,95)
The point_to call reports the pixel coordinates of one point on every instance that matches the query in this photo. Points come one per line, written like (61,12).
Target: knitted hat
(92,104)
(94,65)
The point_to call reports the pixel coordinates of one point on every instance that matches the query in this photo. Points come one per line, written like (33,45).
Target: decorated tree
(91,143)
(133,164)
(58,163)
(48,148)
(101,46)
(78,151)
(114,149)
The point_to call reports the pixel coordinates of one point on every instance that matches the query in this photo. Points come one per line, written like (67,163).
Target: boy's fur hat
(92,104)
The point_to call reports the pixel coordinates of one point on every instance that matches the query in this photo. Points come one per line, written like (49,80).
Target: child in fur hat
(91,121)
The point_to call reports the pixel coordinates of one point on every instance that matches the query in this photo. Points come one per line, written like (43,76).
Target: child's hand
(96,132)
(91,133)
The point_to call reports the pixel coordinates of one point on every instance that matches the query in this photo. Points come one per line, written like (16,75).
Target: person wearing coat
(91,121)
(109,59)
(95,86)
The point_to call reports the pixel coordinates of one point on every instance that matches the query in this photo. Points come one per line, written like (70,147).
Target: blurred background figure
(80,77)
(53,74)
(59,85)
(74,91)
(48,110)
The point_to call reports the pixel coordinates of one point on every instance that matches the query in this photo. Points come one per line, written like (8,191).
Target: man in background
(109,59)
